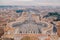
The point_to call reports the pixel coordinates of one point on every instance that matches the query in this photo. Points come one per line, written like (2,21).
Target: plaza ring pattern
(30,27)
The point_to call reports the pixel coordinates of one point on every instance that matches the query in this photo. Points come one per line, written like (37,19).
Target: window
(20,31)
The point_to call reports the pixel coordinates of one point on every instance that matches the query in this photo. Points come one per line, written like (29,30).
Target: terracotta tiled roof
(2,19)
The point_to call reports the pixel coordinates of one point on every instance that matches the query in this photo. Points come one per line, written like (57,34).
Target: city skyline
(31,2)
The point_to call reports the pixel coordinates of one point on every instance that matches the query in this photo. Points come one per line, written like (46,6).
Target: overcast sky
(30,2)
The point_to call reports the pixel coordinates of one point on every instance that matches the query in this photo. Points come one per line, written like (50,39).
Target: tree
(53,14)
